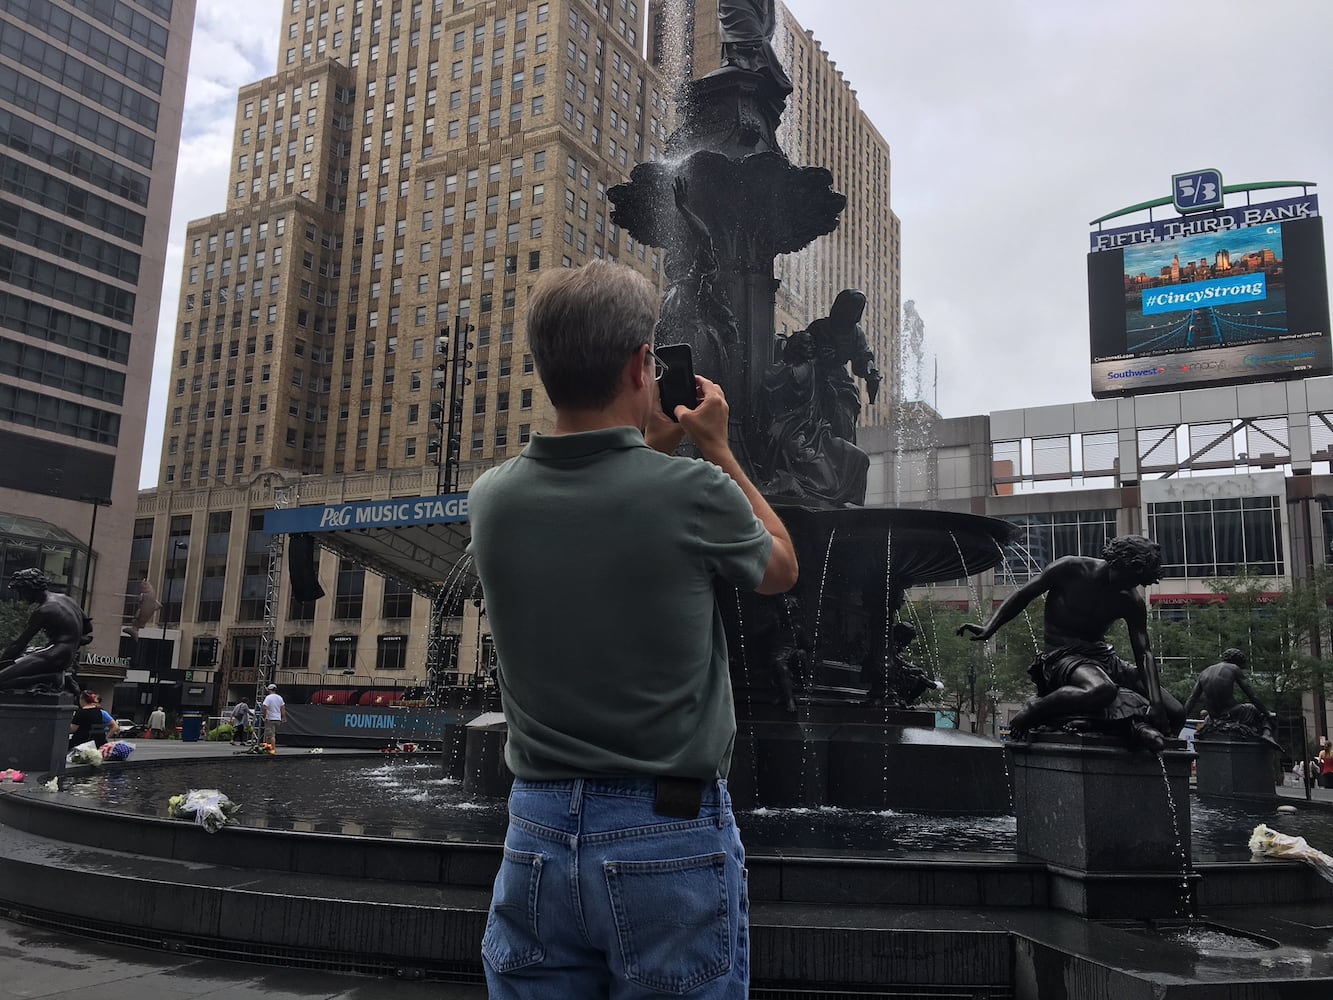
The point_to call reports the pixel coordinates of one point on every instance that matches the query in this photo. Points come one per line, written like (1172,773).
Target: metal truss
(283,496)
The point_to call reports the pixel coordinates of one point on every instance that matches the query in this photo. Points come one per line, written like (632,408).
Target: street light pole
(88,559)
(175,546)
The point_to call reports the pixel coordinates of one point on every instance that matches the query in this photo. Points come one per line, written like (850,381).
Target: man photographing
(597,551)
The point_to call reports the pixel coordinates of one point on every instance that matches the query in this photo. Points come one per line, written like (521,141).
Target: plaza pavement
(50,965)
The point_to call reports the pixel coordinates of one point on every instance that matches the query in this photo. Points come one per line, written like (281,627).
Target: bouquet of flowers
(210,808)
(1267,843)
(85,753)
(119,750)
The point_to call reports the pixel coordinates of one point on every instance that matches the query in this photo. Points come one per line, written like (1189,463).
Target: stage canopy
(421,541)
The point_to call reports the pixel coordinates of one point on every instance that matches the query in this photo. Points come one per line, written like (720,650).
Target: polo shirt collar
(553,447)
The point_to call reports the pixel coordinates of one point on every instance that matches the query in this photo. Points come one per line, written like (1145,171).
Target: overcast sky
(1010,124)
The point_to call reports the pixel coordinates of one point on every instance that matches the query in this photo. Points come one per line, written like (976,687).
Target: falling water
(676,19)
(819,605)
(1027,616)
(1185,908)
(749,710)
(813,659)
(888,632)
(798,272)
(932,655)
(909,427)
(988,652)
(934,629)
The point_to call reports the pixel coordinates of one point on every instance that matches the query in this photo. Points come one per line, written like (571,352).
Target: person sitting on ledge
(1078,674)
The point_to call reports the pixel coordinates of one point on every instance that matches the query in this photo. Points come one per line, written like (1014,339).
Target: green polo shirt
(597,556)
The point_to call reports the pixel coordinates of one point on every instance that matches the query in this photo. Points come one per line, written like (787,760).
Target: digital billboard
(1234,295)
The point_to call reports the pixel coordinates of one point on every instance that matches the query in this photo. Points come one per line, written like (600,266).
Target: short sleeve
(733,542)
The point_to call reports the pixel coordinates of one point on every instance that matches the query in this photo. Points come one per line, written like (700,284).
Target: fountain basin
(920,904)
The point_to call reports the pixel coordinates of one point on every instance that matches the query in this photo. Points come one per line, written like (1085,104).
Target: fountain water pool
(405,798)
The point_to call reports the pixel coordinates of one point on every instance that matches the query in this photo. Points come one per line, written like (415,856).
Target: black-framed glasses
(660,367)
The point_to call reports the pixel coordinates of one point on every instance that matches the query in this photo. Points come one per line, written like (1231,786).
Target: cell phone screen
(677,386)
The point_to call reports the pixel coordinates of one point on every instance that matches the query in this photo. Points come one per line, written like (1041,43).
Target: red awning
(380,697)
(334,696)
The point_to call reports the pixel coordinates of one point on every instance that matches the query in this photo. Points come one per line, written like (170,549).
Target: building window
(391,652)
(204,652)
(342,654)
(1043,538)
(350,589)
(296,652)
(397,599)
(1220,537)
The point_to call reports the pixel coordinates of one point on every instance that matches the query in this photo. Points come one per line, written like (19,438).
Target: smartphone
(677,386)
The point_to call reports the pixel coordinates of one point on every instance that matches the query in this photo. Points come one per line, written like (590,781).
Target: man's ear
(636,369)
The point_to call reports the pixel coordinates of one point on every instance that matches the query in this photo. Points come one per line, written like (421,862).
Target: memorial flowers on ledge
(208,807)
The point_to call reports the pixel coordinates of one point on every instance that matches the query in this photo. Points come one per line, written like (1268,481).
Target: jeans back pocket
(512,939)
(673,920)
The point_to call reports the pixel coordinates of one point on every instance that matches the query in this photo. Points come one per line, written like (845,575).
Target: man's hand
(706,424)
(662,433)
(973,632)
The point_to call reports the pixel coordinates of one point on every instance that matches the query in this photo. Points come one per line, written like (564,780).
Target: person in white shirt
(275,711)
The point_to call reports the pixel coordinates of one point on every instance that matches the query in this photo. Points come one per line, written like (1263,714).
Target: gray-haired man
(597,552)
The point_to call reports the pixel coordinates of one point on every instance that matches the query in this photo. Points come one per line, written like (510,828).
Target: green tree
(13,616)
(1272,627)
(976,676)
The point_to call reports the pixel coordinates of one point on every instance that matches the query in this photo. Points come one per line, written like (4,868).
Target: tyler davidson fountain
(723,204)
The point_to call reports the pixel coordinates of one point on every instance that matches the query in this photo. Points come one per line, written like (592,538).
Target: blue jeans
(598,896)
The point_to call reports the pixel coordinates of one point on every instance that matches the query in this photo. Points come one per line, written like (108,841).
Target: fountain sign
(1213,298)
(404,513)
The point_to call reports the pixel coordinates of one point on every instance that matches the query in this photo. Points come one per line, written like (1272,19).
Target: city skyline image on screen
(1220,304)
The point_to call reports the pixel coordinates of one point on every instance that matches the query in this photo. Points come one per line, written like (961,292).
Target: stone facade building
(91,102)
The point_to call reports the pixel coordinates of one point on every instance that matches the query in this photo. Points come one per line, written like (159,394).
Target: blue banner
(1240,217)
(1202,294)
(448,509)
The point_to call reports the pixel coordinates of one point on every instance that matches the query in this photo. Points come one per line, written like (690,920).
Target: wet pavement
(39,963)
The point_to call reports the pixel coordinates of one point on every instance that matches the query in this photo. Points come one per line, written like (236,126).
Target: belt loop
(720,788)
(576,797)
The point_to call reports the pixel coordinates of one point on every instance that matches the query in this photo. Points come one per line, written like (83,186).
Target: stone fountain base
(1237,769)
(868,766)
(785,763)
(34,731)
(1112,824)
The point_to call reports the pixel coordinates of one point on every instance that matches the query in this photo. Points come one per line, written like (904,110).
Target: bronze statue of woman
(747,33)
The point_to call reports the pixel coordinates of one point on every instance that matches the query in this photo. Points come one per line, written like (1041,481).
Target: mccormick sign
(448,509)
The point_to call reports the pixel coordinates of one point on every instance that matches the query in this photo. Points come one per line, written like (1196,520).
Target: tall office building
(410,167)
(823,126)
(91,99)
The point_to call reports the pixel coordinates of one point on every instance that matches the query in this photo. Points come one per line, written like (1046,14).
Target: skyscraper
(91,100)
(407,171)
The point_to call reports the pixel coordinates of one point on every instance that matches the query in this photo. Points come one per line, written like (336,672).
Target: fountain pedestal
(1101,818)
(34,732)
(1237,769)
